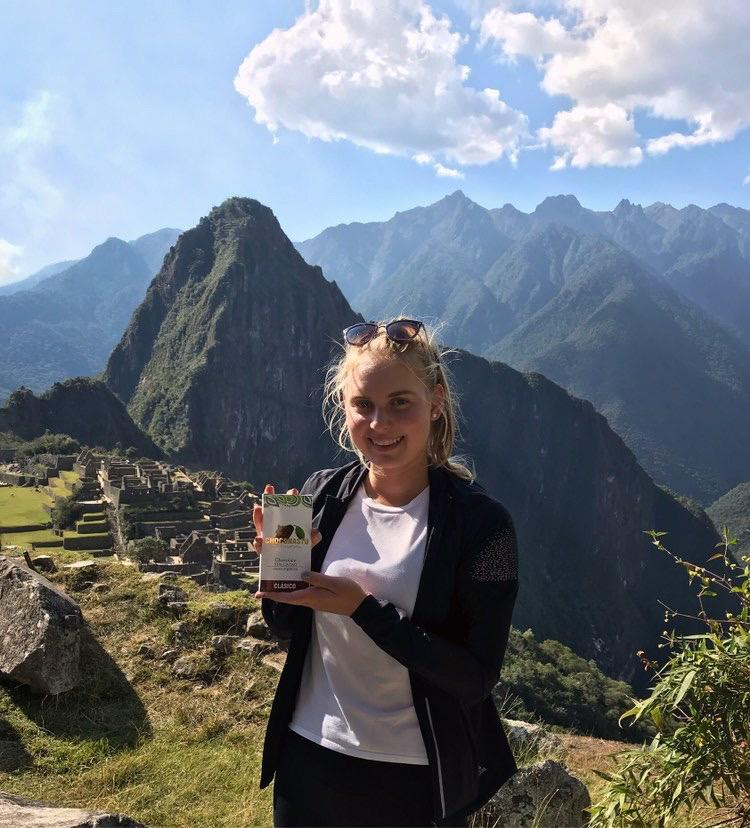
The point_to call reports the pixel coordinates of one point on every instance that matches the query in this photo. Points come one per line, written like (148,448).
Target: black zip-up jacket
(453,645)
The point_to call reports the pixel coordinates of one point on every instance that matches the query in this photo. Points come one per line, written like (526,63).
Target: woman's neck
(396,487)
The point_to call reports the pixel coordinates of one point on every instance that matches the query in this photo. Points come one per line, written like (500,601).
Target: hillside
(172,741)
(594,321)
(618,307)
(173,729)
(733,511)
(82,408)
(66,324)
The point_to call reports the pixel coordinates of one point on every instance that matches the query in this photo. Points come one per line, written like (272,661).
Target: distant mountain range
(640,310)
(64,320)
(222,366)
(643,311)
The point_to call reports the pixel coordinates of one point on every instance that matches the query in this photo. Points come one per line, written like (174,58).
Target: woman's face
(389,412)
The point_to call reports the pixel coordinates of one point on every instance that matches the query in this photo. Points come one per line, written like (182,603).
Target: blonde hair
(424,357)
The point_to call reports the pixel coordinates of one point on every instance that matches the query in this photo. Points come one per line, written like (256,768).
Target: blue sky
(117,119)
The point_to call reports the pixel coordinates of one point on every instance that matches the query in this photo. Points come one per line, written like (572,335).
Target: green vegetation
(66,512)
(135,739)
(148,549)
(546,680)
(50,444)
(23,505)
(700,708)
(26,539)
(732,510)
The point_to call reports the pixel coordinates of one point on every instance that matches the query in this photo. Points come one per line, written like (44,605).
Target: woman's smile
(386,445)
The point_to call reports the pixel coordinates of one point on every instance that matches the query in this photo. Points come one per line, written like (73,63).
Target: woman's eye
(400,402)
(361,404)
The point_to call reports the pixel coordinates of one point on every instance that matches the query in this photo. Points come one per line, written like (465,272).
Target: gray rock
(543,795)
(224,644)
(152,576)
(88,567)
(254,646)
(256,625)
(44,563)
(170,656)
(177,607)
(524,734)
(169,592)
(39,631)
(100,587)
(19,812)
(181,631)
(221,615)
(146,651)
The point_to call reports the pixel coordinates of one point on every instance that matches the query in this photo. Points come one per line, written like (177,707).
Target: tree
(146,550)
(701,708)
(65,512)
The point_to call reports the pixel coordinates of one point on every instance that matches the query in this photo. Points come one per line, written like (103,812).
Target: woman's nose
(378,417)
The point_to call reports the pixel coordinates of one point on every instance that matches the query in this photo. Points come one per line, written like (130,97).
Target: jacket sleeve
(487,585)
(282,618)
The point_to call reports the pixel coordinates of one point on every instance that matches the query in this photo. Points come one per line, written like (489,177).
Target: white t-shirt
(353,696)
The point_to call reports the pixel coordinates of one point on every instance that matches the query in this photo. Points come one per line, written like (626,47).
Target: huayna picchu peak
(223,357)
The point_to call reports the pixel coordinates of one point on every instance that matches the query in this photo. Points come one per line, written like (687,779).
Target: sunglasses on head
(399,330)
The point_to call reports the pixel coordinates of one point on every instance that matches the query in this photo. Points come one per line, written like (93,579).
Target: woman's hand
(315,536)
(327,593)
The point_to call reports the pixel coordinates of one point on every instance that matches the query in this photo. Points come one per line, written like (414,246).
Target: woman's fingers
(315,537)
(293,492)
(258,519)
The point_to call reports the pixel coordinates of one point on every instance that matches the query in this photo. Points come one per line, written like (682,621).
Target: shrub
(701,707)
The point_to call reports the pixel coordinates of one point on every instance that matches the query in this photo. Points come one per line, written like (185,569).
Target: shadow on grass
(13,755)
(103,707)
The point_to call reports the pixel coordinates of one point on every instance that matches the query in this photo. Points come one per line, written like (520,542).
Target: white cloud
(384,75)
(585,136)
(26,188)
(746,180)
(682,60)
(9,272)
(447,172)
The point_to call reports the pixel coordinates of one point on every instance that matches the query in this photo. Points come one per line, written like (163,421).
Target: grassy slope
(133,738)
(167,751)
(20,505)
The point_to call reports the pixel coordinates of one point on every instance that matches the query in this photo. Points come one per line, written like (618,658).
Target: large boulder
(543,795)
(18,812)
(39,631)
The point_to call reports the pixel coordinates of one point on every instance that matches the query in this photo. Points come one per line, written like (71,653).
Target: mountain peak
(557,203)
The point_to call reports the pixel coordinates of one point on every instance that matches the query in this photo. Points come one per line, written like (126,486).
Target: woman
(383,713)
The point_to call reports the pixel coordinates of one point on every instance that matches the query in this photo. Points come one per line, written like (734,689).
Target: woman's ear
(438,401)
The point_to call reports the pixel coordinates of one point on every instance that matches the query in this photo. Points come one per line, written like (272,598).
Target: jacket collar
(436,582)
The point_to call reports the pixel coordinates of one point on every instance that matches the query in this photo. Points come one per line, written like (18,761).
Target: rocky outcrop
(528,736)
(19,812)
(543,795)
(39,631)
